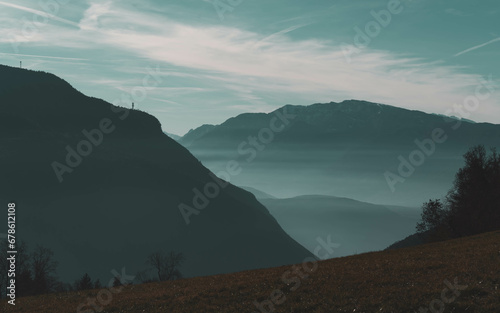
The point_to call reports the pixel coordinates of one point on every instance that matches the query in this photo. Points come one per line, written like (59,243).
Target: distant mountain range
(195,134)
(353,149)
(102,185)
(354,226)
(333,123)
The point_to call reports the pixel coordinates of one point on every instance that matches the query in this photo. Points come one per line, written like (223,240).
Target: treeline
(472,205)
(161,267)
(36,271)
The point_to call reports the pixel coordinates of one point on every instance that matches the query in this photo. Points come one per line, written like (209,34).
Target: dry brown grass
(390,281)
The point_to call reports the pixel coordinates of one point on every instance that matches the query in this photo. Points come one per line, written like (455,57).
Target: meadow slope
(403,280)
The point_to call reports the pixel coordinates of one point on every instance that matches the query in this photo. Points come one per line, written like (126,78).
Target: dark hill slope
(44,102)
(121,202)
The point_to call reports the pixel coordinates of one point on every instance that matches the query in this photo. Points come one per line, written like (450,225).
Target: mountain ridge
(348,114)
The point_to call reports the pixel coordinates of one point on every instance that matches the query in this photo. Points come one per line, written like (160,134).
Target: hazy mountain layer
(353,226)
(356,149)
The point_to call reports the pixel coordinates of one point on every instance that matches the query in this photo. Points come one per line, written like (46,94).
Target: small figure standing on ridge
(132,105)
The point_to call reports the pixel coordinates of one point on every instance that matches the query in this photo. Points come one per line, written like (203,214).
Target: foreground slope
(120,202)
(398,281)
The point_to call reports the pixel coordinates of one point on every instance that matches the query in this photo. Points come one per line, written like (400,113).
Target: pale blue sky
(261,54)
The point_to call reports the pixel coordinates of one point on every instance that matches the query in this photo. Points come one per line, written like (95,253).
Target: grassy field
(405,280)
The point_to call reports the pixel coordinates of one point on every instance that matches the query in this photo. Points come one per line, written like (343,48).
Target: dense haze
(350,173)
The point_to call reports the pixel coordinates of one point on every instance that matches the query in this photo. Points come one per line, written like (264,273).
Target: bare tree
(23,272)
(166,265)
(44,267)
(173,262)
(156,261)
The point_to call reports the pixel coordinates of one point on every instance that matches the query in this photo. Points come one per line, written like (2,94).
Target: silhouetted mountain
(355,226)
(343,149)
(120,201)
(41,101)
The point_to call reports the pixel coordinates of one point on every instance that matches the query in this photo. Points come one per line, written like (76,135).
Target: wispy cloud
(40,13)
(255,67)
(92,15)
(167,101)
(455,12)
(313,68)
(42,56)
(478,46)
(285,31)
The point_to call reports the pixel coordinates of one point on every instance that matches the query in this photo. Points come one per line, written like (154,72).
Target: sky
(194,62)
